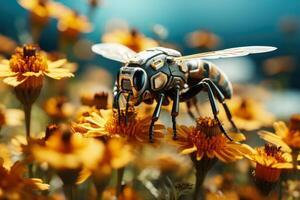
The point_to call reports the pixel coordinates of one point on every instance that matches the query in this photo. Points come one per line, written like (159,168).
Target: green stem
(200,176)
(69,191)
(27,111)
(120,175)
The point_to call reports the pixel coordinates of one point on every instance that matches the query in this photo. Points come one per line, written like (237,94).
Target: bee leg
(188,105)
(215,108)
(117,105)
(221,99)
(155,116)
(175,110)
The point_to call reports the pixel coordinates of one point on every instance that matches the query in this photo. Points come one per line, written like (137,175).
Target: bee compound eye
(139,79)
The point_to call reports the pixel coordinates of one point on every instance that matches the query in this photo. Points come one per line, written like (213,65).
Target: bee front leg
(155,116)
(175,110)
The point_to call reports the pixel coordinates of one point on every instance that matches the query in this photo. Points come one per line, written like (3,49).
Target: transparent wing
(114,51)
(229,53)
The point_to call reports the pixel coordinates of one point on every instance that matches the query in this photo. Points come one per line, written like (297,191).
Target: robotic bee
(165,75)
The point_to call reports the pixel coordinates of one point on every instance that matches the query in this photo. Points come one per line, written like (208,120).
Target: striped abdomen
(199,69)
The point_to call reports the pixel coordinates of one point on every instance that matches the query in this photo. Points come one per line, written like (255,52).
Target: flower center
(245,110)
(208,126)
(274,151)
(27,59)
(207,135)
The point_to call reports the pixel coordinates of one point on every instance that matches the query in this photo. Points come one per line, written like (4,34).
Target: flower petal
(274,139)
(57,64)
(14,81)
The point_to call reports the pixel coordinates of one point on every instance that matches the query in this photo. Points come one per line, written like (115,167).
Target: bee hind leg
(155,116)
(221,99)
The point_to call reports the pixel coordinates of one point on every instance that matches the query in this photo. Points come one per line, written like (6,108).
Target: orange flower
(13,184)
(286,137)
(269,160)
(203,39)
(249,114)
(131,38)
(10,117)
(71,24)
(206,140)
(58,108)
(27,67)
(67,152)
(107,124)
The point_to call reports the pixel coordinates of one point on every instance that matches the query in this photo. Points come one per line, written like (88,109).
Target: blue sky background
(238,22)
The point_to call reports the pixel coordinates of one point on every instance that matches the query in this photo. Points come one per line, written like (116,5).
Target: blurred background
(189,26)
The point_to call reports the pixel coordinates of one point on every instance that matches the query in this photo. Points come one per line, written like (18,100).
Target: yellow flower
(68,153)
(58,108)
(206,140)
(131,38)
(10,117)
(288,138)
(13,184)
(128,193)
(28,66)
(5,156)
(71,24)
(249,114)
(270,161)
(203,39)
(107,124)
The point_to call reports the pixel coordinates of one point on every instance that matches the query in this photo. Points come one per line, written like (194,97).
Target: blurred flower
(289,25)
(131,38)
(249,114)
(128,193)
(207,141)
(287,137)
(25,71)
(67,152)
(161,31)
(71,24)
(203,39)
(58,108)
(99,99)
(232,195)
(270,160)
(169,163)
(116,156)
(250,192)
(279,64)
(94,3)
(13,184)
(136,131)
(27,67)
(5,156)
(10,117)
(40,13)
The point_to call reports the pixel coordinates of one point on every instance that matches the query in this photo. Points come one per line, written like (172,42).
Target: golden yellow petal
(189,150)
(59,75)
(281,129)
(238,137)
(83,175)
(36,74)
(39,184)
(199,155)
(274,139)
(56,64)
(13,81)
(7,73)
(282,165)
